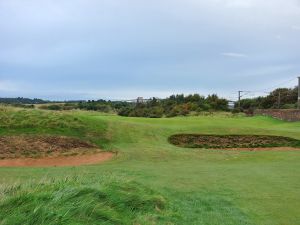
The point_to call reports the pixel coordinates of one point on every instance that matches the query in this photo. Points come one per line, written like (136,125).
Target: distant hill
(20,100)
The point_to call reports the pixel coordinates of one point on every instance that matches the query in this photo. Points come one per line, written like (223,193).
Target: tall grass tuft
(70,201)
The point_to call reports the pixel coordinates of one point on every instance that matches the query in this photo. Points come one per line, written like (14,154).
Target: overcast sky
(121,49)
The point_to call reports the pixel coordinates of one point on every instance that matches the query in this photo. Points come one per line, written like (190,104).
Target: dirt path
(58,161)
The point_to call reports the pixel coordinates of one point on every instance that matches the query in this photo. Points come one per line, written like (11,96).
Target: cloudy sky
(121,49)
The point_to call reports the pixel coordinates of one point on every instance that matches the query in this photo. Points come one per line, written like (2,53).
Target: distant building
(231,105)
(140,100)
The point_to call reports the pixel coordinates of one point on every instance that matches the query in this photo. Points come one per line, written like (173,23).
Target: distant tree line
(282,98)
(20,100)
(90,105)
(175,105)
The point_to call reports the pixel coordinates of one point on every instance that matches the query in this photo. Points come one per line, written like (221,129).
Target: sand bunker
(49,151)
(243,142)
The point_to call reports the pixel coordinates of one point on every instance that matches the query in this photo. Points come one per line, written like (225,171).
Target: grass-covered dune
(151,181)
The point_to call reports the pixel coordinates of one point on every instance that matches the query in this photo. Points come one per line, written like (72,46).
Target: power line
(278,85)
(264,91)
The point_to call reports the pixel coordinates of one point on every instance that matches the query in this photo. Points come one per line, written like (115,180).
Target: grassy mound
(71,202)
(232,141)
(36,120)
(41,146)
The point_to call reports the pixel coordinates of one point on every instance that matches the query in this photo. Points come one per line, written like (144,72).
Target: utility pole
(299,92)
(240,98)
(279,99)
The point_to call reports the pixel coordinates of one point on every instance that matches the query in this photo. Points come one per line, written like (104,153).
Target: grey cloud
(158,46)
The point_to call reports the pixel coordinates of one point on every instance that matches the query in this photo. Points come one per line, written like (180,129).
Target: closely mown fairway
(152,181)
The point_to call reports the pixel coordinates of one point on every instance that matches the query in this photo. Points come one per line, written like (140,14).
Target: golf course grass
(151,181)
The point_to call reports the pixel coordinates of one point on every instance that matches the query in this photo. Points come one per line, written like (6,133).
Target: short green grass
(152,181)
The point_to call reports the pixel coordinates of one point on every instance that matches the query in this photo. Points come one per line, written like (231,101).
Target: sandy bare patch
(58,161)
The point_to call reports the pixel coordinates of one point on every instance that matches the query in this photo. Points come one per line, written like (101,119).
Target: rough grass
(232,141)
(198,186)
(70,201)
(19,121)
